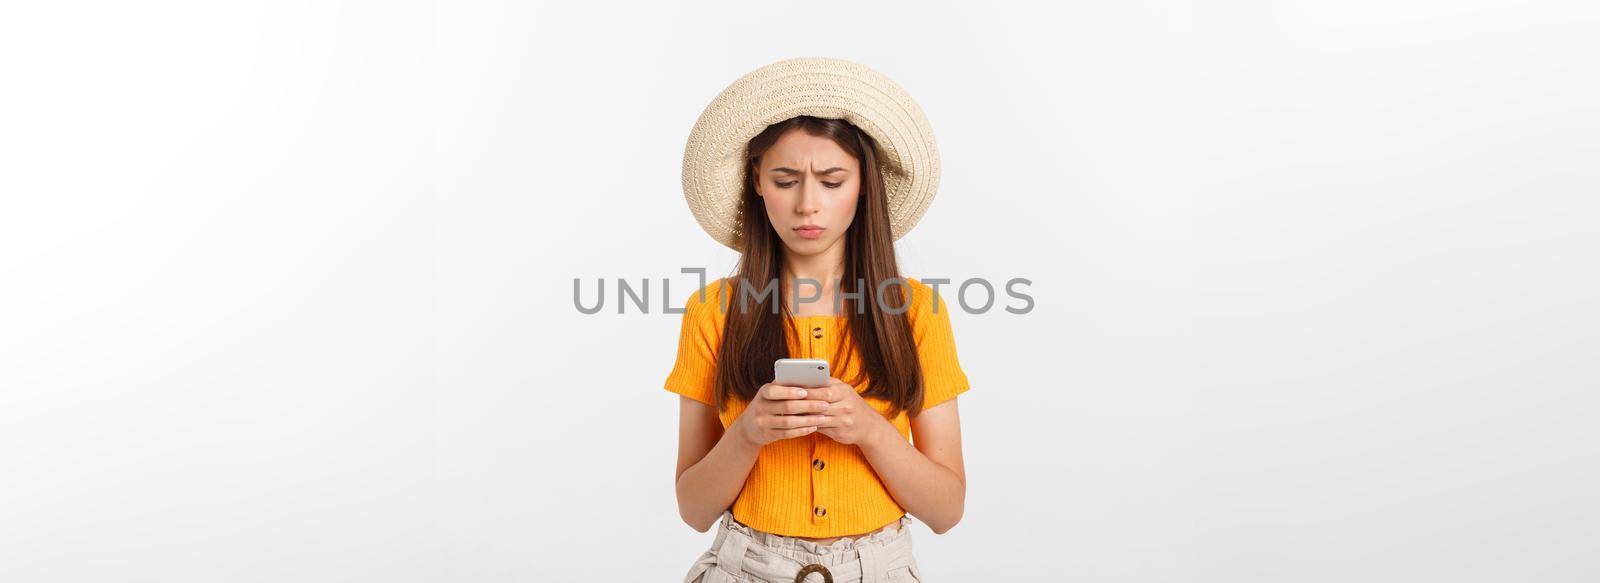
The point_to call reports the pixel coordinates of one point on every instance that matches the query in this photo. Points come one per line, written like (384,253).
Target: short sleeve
(942,377)
(694,374)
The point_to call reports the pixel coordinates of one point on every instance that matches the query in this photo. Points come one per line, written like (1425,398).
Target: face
(810,187)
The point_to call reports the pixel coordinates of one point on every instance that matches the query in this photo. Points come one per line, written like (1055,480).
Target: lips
(809,231)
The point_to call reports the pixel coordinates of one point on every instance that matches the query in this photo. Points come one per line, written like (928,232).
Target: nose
(810,200)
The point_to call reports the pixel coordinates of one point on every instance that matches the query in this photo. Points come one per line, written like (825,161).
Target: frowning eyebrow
(785,170)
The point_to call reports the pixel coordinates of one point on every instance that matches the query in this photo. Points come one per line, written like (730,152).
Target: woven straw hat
(713,160)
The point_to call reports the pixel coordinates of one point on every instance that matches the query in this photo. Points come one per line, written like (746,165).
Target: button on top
(817,464)
(820,510)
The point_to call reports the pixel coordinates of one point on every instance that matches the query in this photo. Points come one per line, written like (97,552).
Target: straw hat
(713,160)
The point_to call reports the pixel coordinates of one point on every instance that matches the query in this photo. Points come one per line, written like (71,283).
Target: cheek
(774,201)
(844,208)
(770,197)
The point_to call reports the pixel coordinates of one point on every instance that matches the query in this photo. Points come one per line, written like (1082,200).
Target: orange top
(813,486)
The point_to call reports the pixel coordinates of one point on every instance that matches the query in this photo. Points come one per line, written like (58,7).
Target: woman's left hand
(848,419)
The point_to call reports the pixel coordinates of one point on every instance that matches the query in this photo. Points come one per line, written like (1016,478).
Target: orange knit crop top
(813,486)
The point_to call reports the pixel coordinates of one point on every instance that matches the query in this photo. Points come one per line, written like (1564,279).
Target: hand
(849,418)
(780,412)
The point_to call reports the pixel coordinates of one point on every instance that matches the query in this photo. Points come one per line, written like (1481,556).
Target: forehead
(797,149)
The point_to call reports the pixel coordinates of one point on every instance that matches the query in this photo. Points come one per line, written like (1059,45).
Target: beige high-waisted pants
(744,554)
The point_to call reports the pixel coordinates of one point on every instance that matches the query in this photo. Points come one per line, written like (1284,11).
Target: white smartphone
(800,372)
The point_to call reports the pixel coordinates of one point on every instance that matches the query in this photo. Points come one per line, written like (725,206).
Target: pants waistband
(772,556)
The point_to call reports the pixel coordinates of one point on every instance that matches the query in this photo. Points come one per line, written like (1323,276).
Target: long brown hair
(755,335)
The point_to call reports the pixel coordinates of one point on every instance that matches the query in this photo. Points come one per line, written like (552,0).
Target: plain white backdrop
(286,287)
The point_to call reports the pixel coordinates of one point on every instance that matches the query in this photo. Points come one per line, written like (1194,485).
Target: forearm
(928,490)
(711,485)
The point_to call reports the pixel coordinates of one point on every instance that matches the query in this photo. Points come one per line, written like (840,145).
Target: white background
(286,287)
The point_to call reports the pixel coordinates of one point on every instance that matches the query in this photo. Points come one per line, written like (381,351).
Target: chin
(800,246)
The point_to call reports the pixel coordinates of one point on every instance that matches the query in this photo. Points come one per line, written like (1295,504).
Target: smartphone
(801,372)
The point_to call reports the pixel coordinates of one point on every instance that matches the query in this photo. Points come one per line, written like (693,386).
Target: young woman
(815,483)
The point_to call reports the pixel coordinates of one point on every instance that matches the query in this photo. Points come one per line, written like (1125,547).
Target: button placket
(820,493)
(819,481)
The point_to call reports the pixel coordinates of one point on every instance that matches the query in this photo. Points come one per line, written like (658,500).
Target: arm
(712,464)
(928,479)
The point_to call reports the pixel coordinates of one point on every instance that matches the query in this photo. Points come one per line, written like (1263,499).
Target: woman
(815,482)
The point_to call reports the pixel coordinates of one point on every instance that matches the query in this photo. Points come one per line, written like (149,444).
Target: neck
(824,268)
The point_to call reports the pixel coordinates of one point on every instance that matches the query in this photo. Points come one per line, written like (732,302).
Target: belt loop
(730,556)
(871,562)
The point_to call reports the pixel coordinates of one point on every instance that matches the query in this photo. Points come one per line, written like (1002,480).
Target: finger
(796,432)
(840,389)
(802,406)
(819,393)
(830,421)
(835,393)
(778,392)
(793,421)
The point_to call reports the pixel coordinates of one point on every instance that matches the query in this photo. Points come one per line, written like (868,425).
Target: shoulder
(706,302)
(918,289)
(923,294)
(926,300)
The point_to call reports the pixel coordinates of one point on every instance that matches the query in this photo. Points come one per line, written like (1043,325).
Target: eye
(792,183)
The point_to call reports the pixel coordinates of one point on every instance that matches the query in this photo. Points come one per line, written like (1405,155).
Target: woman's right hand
(780,412)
